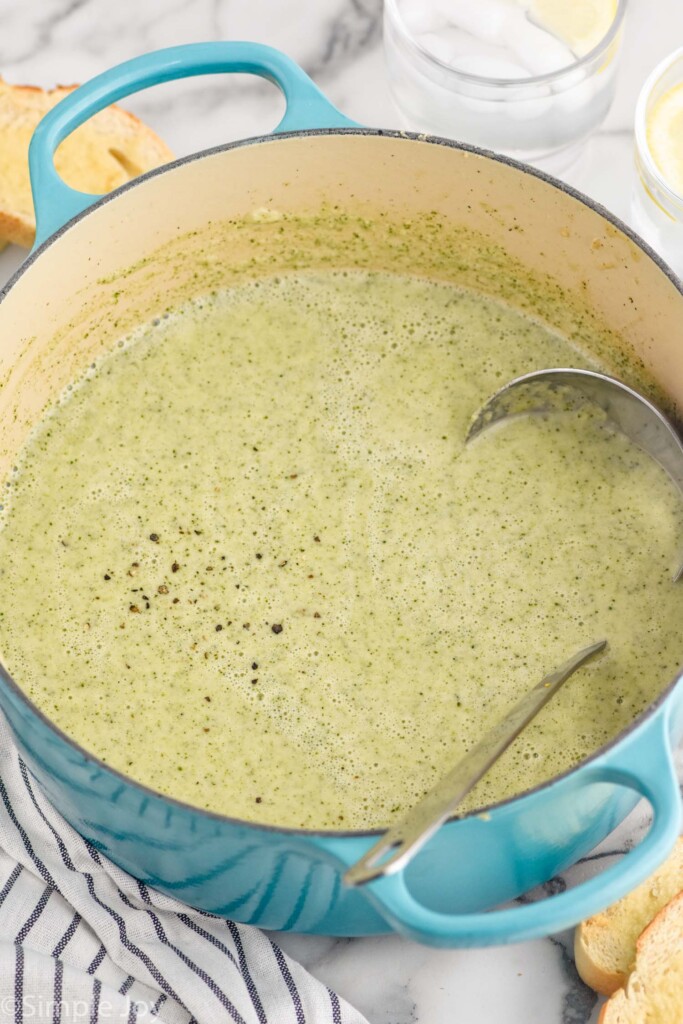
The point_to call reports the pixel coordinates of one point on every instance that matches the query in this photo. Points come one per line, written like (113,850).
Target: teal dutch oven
(390,200)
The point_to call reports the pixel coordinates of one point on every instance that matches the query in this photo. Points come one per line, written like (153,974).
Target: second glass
(657,201)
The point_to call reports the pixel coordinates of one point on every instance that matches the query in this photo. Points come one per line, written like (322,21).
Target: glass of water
(657,202)
(527,78)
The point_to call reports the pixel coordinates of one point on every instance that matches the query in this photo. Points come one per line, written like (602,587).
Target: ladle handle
(643,762)
(56,203)
(402,841)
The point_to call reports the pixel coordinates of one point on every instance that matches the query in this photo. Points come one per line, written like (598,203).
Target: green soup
(248,560)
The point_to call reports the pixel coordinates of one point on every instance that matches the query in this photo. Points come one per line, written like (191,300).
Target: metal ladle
(541,391)
(561,390)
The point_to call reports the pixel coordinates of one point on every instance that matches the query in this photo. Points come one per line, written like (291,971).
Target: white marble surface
(391,980)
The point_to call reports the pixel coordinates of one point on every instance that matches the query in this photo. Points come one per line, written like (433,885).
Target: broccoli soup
(248,561)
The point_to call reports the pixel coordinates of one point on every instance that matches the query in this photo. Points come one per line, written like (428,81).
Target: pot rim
(646,714)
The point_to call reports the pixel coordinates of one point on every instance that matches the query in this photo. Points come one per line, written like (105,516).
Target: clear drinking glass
(656,207)
(544,119)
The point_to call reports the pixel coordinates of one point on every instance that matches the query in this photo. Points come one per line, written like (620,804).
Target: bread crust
(605,944)
(110,149)
(657,978)
(593,974)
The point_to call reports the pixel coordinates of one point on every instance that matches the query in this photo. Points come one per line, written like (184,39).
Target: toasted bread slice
(654,991)
(605,945)
(108,150)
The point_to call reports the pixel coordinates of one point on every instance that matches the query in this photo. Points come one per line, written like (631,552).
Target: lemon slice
(581,24)
(664,129)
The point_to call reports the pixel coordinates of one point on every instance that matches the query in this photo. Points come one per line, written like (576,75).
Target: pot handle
(56,203)
(646,766)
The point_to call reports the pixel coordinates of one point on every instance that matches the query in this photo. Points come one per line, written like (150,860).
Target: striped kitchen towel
(81,940)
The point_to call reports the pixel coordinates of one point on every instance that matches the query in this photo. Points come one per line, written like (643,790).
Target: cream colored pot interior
(332,201)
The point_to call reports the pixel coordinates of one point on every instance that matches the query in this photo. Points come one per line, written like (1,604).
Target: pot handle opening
(646,766)
(56,203)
